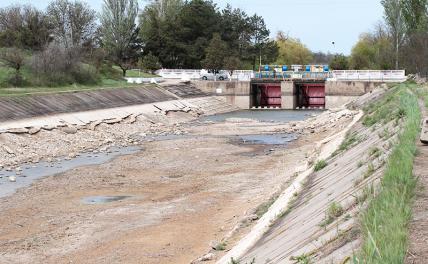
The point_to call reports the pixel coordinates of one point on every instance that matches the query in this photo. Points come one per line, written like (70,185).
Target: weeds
(385,221)
(321,164)
(233,261)
(370,170)
(334,211)
(385,110)
(302,259)
(375,152)
(351,139)
(368,192)
(220,246)
(264,207)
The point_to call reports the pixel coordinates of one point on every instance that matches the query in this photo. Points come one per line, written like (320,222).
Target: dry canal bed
(169,202)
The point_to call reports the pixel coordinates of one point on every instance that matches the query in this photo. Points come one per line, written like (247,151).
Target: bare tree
(120,33)
(73,22)
(55,59)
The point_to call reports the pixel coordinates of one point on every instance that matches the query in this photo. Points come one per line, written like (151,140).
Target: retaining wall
(338,93)
(233,92)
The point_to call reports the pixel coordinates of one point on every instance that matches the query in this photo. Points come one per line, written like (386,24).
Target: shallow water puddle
(268,139)
(103,199)
(32,172)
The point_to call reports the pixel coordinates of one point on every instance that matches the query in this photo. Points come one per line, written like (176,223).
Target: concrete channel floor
(177,198)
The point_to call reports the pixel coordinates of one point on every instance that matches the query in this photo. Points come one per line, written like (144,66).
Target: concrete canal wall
(332,94)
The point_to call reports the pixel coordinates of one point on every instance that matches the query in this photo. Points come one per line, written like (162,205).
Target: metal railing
(247,75)
(292,75)
(370,75)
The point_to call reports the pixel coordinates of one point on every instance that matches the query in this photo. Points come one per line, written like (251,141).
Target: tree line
(399,41)
(69,42)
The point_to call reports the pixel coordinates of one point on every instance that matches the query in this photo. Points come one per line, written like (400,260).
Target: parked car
(209,75)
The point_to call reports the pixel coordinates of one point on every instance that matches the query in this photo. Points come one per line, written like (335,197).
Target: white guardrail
(185,74)
(350,75)
(245,75)
(179,74)
(139,80)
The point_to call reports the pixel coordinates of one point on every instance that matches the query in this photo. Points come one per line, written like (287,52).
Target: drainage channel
(10,181)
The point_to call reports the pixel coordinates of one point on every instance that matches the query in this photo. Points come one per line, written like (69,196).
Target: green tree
(415,51)
(262,49)
(339,62)
(232,63)
(393,13)
(292,51)
(236,30)
(363,54)
(198,21)
(415,17)
(178,33)
(373,51)
(158,23)
(120,33)
(151,63)
(24,27)
(216,53)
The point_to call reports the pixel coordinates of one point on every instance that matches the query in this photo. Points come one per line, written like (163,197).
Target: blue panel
(326,68)
(284,68)
(266,67)
(308,68)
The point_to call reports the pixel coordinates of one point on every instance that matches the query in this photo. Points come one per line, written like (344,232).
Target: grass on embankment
(136,73)
(385,221)
(105,82)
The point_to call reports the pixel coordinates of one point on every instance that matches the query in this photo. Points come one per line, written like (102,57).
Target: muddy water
(34,171)
(276,116)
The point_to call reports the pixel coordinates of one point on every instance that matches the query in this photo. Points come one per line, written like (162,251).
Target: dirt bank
(418,230)
(180,197)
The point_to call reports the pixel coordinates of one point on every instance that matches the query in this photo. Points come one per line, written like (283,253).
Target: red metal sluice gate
(267,95)
(311,95)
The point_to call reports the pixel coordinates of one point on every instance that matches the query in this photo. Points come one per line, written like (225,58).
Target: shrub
(60,66)
(302,259)
(334,211)
(321,164)
(13,58)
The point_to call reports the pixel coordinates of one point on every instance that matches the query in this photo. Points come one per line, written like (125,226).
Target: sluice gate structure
(309,89)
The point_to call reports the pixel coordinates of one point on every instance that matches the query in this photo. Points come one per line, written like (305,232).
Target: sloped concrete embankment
(315,218)
(66,134)
(13,108)
(27,114)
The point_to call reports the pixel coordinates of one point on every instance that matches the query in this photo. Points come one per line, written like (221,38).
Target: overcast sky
(317,23)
